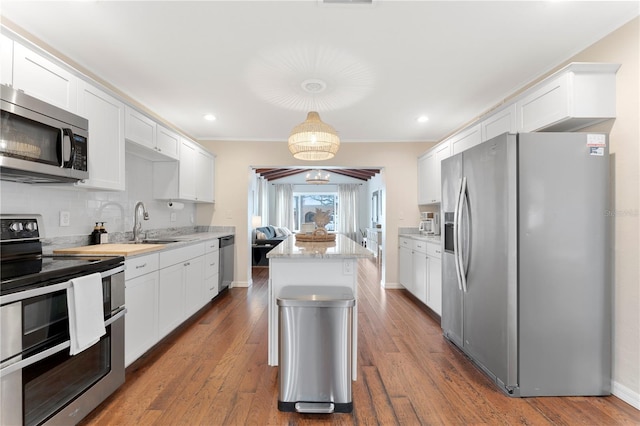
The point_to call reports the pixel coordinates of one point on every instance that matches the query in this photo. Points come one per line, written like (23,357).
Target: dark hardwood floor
(213,371)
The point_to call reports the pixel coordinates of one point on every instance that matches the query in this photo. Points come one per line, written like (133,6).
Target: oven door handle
(33,359)
(54,350)
(21,295)
(116,316)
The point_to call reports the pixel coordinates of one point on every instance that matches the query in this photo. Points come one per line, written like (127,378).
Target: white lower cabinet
(170,298)
(141,298)
(193,287)
(434,279)
(211,269)
(163,290)
(181,276)
(420,271)
(405,264)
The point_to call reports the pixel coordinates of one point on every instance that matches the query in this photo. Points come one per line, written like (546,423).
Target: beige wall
(623,46)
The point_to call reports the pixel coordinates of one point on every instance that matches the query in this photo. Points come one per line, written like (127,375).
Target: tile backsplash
(87,207)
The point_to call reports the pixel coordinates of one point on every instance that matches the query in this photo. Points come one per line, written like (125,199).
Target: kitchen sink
(161,241)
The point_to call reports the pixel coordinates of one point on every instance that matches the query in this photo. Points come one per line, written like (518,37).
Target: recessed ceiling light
(422,119)
(210,117)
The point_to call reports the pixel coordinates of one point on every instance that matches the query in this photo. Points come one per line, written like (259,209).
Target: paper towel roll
(175,206)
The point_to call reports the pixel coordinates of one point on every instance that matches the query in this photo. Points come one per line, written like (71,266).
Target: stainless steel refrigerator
(525,271)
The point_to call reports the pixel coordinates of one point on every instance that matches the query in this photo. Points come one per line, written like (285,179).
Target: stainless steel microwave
(39,142)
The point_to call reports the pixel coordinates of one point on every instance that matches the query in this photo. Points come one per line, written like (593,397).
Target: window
(305,205)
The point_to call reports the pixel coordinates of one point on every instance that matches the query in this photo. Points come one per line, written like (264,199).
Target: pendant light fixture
(317,178)
(313,140)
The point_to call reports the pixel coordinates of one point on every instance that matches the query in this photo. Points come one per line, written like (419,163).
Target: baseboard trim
(244,284)
(392,286)
(627,395)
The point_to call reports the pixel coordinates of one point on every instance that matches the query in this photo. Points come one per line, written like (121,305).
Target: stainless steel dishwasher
(225,278)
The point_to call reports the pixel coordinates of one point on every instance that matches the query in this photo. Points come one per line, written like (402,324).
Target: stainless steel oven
(41,382)
(40,143)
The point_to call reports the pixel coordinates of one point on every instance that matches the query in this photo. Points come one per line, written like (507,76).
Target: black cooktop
(45,270)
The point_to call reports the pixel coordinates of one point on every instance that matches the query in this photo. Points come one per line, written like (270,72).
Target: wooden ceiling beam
(279,173)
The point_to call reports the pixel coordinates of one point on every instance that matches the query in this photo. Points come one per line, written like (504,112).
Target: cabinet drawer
(420,246)
(406,243)
(138,266)
(434,250)
(211,263)
(179,255)
(211,245)
(211,287)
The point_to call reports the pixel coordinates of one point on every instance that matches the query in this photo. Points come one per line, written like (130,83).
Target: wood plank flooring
(213,371)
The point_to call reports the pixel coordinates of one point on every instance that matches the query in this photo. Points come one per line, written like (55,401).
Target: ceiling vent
(331,2)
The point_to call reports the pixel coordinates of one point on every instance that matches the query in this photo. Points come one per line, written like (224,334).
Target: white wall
(88,207)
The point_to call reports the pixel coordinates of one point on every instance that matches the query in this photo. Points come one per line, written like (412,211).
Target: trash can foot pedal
(314,407)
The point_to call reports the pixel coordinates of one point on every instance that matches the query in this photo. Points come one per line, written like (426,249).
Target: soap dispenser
(104,236)
(95,235)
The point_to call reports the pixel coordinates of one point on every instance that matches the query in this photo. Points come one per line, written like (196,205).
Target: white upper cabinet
(106,135)
(187,172)
(205,166)
(148,139)
(167,142)
(429,191)
(501,121)
(190,179)
(140,129)
(43,79)
(6,60)
(425,165)
(464,140)
(579,95)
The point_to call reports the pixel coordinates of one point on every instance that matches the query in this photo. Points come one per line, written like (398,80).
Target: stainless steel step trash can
(315,349)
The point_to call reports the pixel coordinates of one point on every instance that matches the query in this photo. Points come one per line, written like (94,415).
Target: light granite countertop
(428,238)
(128,249)
(342,247)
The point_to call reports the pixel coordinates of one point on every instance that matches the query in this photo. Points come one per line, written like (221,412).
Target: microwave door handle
(68,162)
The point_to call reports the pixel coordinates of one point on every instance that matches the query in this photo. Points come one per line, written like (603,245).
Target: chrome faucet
(137,226)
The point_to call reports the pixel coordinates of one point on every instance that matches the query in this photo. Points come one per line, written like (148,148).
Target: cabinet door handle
(187,263)
(144,265)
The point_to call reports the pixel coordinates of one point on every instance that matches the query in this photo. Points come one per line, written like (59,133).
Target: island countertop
(342,248)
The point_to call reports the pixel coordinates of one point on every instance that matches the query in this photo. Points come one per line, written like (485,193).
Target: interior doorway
(262,211)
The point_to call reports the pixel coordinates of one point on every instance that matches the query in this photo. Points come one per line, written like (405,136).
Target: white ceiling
(383,64)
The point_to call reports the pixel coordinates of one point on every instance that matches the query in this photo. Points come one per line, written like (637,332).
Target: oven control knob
(31,226)
(16,226)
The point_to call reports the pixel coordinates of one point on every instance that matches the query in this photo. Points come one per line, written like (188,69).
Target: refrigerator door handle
(460,267)
(456,232)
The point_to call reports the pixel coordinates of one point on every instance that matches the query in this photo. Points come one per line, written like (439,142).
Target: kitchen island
(332,263)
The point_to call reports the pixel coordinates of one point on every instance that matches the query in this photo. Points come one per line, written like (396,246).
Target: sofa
(270,235)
